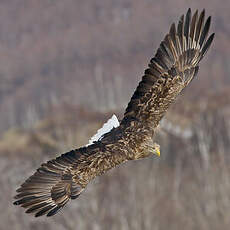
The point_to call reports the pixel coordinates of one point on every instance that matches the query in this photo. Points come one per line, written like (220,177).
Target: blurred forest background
(66,67)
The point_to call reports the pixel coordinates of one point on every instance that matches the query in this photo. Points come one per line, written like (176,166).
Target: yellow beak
(158,153)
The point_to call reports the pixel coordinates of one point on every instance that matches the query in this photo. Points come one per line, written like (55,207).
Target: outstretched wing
(57,181)
(64,178)
(173,67)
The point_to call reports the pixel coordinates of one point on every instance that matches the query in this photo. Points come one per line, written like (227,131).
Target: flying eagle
(175,64)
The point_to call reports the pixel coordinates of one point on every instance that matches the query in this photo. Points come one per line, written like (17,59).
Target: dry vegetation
(91,53)
(188,186)
(66,67)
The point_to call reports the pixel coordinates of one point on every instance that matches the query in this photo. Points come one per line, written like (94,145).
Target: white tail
(108,126)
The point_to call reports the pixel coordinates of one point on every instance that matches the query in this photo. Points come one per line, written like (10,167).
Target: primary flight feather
(175,64)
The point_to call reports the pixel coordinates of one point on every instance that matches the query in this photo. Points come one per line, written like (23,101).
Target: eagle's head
(147,149)
(156,149)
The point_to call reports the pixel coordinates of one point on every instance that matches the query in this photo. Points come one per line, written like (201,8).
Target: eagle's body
(170,71)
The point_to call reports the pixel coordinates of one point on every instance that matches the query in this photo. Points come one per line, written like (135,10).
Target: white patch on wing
(108,126)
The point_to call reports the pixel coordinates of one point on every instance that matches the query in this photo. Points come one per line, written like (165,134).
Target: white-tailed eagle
(175,64)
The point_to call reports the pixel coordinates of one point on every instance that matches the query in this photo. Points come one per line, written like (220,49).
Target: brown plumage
(169,72)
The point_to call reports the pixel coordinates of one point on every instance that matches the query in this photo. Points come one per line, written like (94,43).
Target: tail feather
(107,127)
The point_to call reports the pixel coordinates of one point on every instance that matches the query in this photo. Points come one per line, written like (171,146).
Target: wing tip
(207,44)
